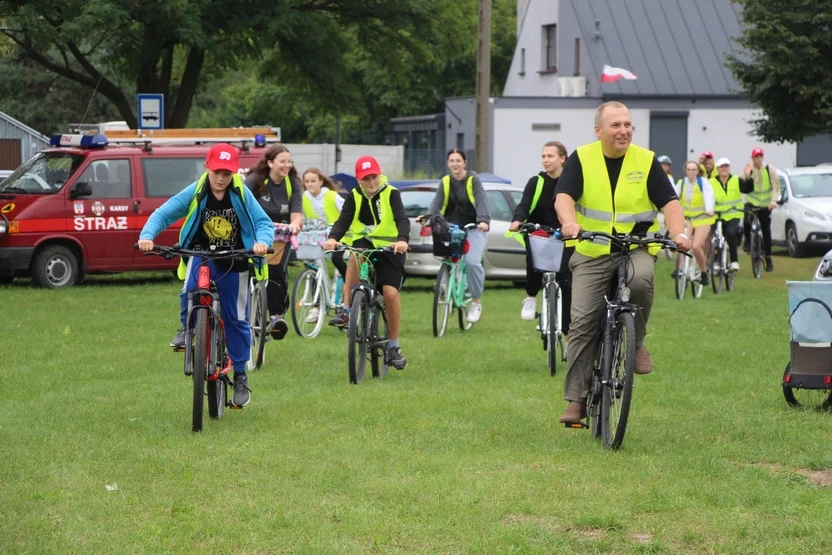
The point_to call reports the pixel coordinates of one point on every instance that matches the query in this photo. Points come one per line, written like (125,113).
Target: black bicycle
(718,265)
(206,353)
(611,388)
(756,243)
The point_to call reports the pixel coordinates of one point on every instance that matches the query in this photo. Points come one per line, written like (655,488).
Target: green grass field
(460,452)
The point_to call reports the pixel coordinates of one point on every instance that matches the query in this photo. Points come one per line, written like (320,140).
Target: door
(780,215)
(10,156)
(101,220)
(669,137)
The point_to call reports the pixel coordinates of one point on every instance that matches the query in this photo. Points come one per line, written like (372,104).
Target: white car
(4,174)
(803,217)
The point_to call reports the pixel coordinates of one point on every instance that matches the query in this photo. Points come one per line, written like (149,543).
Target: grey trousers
(591,279)
(473,262)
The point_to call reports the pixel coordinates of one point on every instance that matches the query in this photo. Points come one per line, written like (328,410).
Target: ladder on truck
(244,136)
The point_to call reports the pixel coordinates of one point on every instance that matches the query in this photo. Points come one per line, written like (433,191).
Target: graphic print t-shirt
(220,228)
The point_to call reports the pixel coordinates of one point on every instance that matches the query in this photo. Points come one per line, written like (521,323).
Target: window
(416,201)
(108,179)
(44,173)
(498,206)
(460,141)
(516,196)
(550,48)
(522,61)
(164,177)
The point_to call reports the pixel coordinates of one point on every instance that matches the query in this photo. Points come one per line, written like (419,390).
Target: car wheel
(55,266)
(793,245)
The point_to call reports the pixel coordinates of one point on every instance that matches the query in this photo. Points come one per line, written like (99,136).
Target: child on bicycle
(537,206)
(219,212)
(373,216)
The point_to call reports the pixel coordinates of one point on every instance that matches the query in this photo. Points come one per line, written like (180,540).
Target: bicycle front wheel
(217,393)
(378,340)
(617,392)
(258,320)
(682,277)
(716,268)
(757,255)
(552,327)
(201,362)
(441,301)
(357,336)
(308,304)
(462,285)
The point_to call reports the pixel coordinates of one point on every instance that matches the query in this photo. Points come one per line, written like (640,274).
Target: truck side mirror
(81,189)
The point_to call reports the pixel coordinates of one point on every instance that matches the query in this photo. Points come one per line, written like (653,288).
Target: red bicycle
(206,361)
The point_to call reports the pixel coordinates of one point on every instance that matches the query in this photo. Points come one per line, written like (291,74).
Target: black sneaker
(674,273)
(396,359)
(705,280)
(279,327)
(341,318)
(178,341)
(769,264)
(242,394)
(746,247)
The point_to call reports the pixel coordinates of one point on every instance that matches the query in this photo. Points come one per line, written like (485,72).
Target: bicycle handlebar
(426,220)
(341,248)
(177,250)
(527,228)
(625,241)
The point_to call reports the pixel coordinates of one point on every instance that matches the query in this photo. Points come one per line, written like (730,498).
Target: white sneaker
(474,312)
(734,267)
(313,316)
(529,309)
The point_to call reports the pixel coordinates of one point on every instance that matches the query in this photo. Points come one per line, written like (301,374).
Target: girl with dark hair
(538,206)
(275,184)
(460,198)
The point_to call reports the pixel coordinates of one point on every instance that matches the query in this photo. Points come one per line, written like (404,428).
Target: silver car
(504,257)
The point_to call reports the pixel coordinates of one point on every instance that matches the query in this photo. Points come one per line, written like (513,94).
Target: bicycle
(450,290)
(206,354)
(611,389)
(686,273)
(549,318)
(756,240)
(718,258)
(313,290)
(367,331)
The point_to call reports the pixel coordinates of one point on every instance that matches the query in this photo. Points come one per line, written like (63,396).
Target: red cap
(222,156)
(366,165)
(757,152)
(707,154)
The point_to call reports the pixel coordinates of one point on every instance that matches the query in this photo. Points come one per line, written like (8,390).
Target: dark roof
(675,47)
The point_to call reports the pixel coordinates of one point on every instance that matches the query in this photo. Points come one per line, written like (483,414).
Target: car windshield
(43,174)
(812,185)
(416,201)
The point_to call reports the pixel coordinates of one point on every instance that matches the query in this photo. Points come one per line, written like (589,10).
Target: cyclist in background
(223,214)
(762,189)
(460,198)
(275,184)
(727,190)
(666,166)
(706,162)
(373,216)
(697,198)
(538,207)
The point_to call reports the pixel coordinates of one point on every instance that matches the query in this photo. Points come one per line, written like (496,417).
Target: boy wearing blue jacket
(219,212)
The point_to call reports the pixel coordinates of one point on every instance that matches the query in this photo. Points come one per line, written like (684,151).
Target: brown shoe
(644,364)
(573,414)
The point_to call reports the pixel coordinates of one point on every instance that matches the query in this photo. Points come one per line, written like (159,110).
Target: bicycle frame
(457,281)
(208,300)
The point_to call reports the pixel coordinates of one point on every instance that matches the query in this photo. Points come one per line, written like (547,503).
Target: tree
(165,46)
(786,71)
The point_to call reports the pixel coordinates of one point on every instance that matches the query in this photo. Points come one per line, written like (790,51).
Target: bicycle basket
(450,243)
(309,244)
(547,252)
(810,310)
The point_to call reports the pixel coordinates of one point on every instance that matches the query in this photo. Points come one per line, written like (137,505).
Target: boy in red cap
(373,216)
(762,189)
(706,161)
(224,214)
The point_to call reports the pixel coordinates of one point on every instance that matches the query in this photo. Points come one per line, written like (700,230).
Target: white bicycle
(686,273)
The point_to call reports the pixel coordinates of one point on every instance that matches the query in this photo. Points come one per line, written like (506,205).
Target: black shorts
(389,266)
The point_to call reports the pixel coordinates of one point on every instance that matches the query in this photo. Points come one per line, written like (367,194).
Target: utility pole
(483,124)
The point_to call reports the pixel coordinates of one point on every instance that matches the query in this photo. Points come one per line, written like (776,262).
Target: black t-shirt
(274,200)
(219,226)
(544,213)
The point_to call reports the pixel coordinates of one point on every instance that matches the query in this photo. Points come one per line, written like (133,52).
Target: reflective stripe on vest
(761,196)
(597,210)
(384,231)
(446,189)
(728,200)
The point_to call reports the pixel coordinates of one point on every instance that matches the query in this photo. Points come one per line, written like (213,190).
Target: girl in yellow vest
(322,202)
(538,206)
(460,198)
(697,198)
(276,186)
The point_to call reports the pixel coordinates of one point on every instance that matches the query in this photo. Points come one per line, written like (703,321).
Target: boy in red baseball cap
(762,189)
(373,217)
(224,214)
(706,161)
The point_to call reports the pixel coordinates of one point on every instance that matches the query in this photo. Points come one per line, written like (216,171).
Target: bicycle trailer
(810,323)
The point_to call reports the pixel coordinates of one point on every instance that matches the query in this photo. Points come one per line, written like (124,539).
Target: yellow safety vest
(446,189)
(695,209)
(331,211)
(761,196)
(728,201)
(714,172)
(598,210)
(538,191)
(384,231)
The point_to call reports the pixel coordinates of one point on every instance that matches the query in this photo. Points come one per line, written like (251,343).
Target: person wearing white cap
(728,204)
(667,163)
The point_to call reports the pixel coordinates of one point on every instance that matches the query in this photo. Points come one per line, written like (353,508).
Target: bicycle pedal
(576,426)
(178,349)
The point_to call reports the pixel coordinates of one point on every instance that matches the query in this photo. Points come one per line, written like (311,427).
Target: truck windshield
(43,174)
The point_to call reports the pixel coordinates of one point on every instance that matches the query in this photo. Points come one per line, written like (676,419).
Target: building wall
(322,156)
(516,147)
(525,79)
(30,141)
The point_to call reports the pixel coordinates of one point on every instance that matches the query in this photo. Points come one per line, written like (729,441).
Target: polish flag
(613,74)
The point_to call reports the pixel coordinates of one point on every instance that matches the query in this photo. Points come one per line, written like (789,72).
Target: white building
(685,100)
